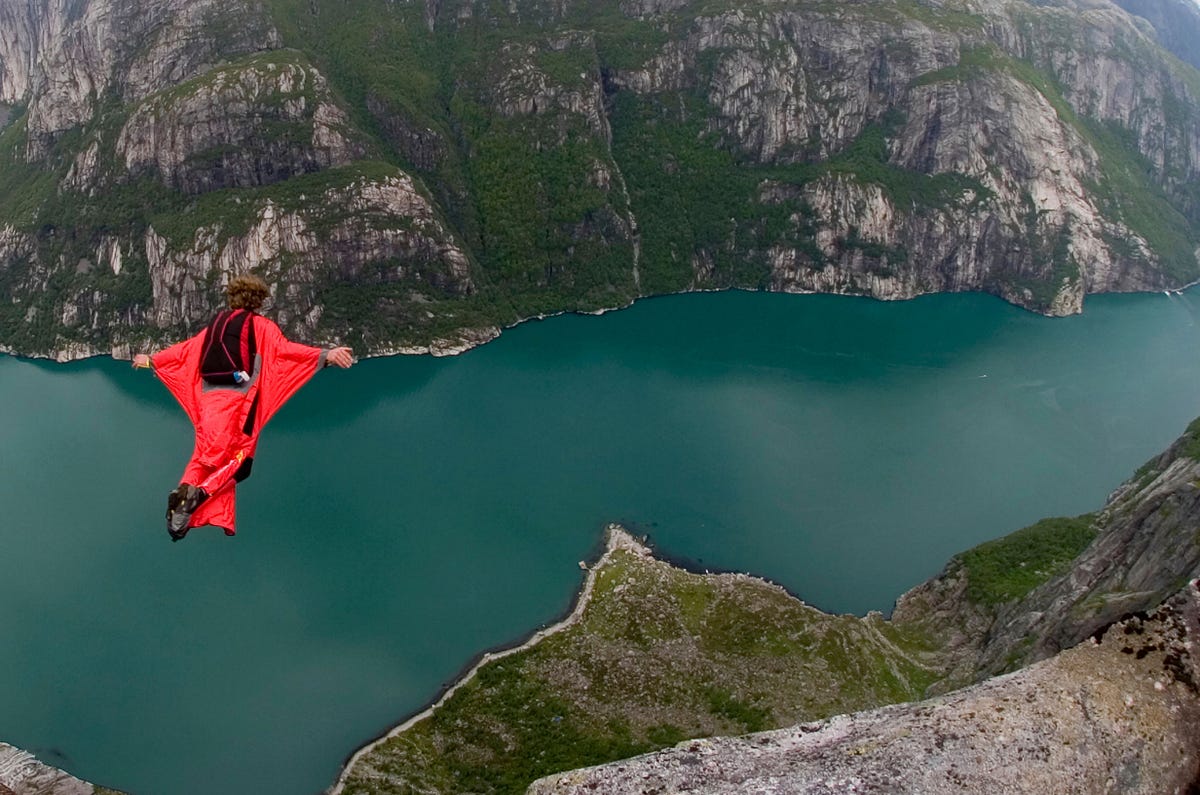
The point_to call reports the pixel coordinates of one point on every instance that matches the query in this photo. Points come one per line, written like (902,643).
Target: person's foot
(180,505)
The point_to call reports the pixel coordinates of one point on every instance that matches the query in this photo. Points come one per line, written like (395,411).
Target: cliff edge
(1116,714)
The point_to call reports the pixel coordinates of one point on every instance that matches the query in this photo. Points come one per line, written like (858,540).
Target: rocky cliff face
(261,122)
(951,95)
(64,58)
(1175,22)
(382,230)
(577,158)
(1145,548)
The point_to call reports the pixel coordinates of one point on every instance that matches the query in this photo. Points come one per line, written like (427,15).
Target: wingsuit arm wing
(288,367)
(177,367)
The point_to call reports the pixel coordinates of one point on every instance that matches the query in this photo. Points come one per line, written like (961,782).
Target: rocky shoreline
(471,338)
(22,774)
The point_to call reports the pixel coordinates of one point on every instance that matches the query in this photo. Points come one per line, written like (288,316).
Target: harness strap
(247,333)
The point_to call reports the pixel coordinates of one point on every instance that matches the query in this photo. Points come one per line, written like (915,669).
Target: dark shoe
(181,503)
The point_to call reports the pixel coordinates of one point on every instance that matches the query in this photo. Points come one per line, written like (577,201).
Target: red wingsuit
(228,419)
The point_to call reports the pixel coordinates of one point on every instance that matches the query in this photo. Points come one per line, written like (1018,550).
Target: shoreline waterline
(444,348)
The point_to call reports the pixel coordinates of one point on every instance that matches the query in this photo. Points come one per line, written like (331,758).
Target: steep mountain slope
(1176,24)
(418,175)
(1027,596)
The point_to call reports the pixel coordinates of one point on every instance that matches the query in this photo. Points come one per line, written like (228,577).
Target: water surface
(408,513)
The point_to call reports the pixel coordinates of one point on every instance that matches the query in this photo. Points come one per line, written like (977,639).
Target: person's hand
(141,360)
(340,357)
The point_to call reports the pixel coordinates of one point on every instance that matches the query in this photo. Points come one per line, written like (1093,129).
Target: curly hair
(247,292)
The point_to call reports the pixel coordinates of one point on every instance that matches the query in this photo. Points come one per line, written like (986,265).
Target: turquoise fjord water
(411,512)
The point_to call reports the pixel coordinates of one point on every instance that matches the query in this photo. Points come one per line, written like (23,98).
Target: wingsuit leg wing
(220,484)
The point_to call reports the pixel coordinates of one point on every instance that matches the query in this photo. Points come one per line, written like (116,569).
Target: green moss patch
(1010,567)
(1191,441)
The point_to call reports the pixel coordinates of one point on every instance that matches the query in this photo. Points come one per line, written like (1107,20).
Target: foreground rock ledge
(22,774)
(1118,713)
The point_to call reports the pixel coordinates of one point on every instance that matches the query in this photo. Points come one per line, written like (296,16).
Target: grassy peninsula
(652,655)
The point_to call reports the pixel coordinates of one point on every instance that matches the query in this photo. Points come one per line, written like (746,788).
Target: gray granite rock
(22,774)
